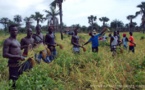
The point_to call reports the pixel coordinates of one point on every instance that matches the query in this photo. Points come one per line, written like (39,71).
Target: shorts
(76,49)
(113,48)
(131,48)
(94,49)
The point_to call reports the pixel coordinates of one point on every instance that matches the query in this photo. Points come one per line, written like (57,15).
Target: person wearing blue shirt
(94,40)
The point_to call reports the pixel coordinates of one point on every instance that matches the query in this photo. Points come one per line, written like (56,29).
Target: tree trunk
(60,9)
(37,22)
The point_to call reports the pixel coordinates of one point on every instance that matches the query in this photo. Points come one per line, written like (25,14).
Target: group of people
(12,49)
(94,39)
(116,41)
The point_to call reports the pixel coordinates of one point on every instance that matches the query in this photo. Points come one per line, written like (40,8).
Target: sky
(74,11)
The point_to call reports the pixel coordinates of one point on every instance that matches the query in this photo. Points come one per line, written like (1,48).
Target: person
(38,40)
(125,41)
(94,32)
(38,37)
(12,51)
(50,42)
(119,38)
(114,43)
(94,40)
(131,42)
(27,43)
(75,41)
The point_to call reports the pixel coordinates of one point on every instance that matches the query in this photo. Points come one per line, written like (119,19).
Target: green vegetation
(87,70)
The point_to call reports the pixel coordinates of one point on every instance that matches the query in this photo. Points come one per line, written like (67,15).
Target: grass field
(86,71)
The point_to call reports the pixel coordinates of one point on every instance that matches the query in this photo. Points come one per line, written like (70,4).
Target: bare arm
(104,29)
(87,42)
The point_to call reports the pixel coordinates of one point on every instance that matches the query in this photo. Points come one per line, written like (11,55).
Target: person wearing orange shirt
(131,42)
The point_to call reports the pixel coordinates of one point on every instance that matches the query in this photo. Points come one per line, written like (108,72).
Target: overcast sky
(74,11)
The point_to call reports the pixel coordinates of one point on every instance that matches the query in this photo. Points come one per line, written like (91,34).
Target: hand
(54,45)
(22,58)
(81,45)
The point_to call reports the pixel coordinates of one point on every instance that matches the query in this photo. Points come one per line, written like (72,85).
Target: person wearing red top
(131,42)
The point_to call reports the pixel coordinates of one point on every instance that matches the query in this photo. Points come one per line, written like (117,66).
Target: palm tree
(51,16)
(130,17)
(91,20)
(5,22)
(17,19)
(28,21)
(104,19)
(59,4)
(38,17)
(142,11)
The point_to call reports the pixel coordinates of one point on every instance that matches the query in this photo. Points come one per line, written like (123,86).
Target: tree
(104,19)
(5,22)
(38,17)
(51,16)
(18,19)
(91,20)
(59,4)
(142,11)
(28,21)
(116,24)
(130,17)
(84,28)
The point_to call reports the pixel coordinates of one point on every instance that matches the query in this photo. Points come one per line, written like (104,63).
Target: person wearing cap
(95,40)
(124,41)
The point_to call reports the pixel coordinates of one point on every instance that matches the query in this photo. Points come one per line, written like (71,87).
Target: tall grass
(84,71)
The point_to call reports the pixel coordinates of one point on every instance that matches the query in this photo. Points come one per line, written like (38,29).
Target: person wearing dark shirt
(50,42)
(75,41)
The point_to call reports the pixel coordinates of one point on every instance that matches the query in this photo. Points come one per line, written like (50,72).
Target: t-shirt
(75,39)
(50,39)
(131,39)
(115,41)
(94,40)
(124,41)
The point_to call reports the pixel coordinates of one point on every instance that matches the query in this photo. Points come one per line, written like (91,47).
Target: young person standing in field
(26,44)
(50,42)
(125,41)
(12,51)
(95,40)
(75,41)
(38,40)
(26,41)
(38,36)
(114,43)
(131,42)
